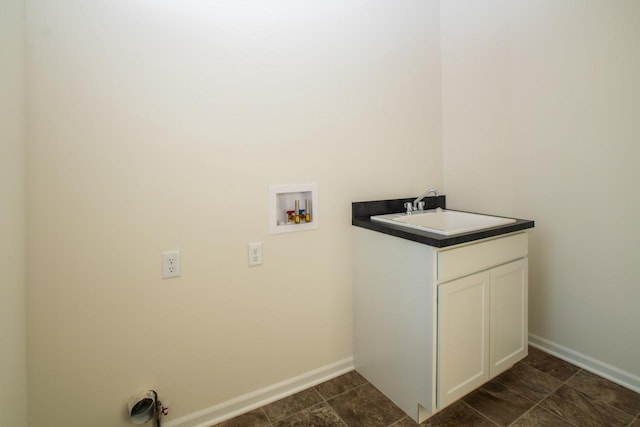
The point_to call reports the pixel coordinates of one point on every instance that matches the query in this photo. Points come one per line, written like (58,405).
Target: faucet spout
(418,204)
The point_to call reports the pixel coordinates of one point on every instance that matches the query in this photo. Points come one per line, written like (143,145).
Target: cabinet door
(509,315)
(463,336)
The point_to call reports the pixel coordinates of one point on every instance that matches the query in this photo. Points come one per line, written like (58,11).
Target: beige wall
(13,393)
(158,126)
(541,105)
(476,107)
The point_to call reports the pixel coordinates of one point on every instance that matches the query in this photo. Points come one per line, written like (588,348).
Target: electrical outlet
(255,253)
(170,264)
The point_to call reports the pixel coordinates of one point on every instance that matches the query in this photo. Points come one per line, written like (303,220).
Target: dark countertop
(361,213)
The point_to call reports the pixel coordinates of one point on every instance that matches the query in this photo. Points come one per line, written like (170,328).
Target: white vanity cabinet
(463,336)
(482,328)
(432,324)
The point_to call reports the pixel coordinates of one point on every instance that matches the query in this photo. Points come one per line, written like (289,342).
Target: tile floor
(541,390)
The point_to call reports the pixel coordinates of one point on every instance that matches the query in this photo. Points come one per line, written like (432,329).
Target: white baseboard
(618,376)
(255,399)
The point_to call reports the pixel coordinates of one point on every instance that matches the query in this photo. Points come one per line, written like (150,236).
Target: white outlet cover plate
(255,253)
(170,264)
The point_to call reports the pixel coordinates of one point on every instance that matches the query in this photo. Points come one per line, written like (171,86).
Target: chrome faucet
(418,204)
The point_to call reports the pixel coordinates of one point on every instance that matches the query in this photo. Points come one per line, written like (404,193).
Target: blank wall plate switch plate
(255,253)
(170,264)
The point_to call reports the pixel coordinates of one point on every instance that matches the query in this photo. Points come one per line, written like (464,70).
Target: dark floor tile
(606,391)
(498,403)
(529,382)
(365,406)
(557,368)
(320,415)
(458,414)
(292,404)
(540,417)
(582,410)
(339,385)
(255,418)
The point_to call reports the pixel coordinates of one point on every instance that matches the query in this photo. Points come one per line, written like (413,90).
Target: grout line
(338,415)
(313,389)
(326,401)
(405,417)
(566,383)
(350,390)
(544,409)
(517,392)
(525,413)
(635,416)
(546,396)
(573,376)
(344,392)
(479,413)
(319,395)
(267,416)
(301,410)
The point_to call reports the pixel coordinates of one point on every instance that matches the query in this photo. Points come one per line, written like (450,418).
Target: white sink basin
(444,222)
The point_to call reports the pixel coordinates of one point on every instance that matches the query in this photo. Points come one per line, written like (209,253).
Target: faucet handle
(409,207)
(418,206)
